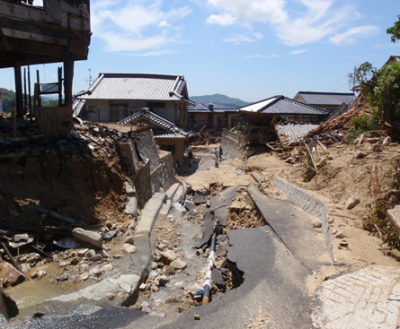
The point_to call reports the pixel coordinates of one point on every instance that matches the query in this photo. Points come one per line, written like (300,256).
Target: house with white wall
(115,96)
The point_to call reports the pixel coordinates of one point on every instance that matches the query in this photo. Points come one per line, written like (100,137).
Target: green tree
(384,91)
(361,74)
(394,30)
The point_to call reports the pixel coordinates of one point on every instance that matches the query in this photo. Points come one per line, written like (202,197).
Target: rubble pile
(61,195)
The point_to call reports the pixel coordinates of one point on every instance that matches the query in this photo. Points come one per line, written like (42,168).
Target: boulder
(10,276)
(351,202)
(316,223)
(88,237)
(131,206)
(128,248)
(163,280)
(178,264)
(189,205)
(167,256)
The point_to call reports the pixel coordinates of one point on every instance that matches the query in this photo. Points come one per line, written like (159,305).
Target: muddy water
(35,291)
(167,299)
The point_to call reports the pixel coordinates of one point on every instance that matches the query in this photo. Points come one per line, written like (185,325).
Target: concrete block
(172,190)
(394,217)
(150,212)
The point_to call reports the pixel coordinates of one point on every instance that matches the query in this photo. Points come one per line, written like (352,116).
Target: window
(222,122)
(92,109)
(156,104)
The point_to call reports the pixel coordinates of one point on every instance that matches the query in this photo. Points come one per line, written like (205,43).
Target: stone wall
(310,204)
(230,144)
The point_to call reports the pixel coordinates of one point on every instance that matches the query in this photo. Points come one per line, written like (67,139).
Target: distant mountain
(219,99)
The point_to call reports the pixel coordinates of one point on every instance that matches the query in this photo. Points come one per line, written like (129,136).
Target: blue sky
(249,49)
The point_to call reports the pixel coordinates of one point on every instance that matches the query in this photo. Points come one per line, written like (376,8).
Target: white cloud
(164,24)
(134,25)
(297,52)
(250,11)
(350,35)
(239,38)
(155,53)
(255,56)
(258,35)
(223,19)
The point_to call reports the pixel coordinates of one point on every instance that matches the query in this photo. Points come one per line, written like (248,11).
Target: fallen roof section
(145,114)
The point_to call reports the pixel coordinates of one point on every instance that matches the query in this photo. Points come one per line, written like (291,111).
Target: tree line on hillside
(8,97)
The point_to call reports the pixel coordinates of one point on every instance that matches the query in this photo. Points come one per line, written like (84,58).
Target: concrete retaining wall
(310,204)
(230,144)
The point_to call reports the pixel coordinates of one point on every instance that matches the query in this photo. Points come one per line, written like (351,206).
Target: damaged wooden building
(40,32)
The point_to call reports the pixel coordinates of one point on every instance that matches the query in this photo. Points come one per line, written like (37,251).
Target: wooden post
(59,86)
(68,79)
(18,90)
(39,101)
(30,94)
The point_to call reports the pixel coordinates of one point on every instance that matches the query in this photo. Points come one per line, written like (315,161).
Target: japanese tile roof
(294,131)
(138,86)
(171,131)
(77,106)
(323,98)
(204,107)
(281,105)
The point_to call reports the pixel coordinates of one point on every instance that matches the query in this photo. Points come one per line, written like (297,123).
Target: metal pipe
(208,279)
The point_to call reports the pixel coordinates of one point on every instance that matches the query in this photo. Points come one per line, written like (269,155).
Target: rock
(96,258)
(136,307)
(199,252)
(106,268)
(171,270)
(129,240)
(143,287)
(84,276)
(395,254)
(154,288)
(360,155)
(63,277)
(110,295)
(38,274)
(74,261)
(178,264)
(189,205)
(377,148)
(90,253)
(95,272)
(163,280)
(116,256)
(316,223)
(167,256)
(131,206)
(130,189)
(104,253)
(128,248)
(64,263)
(343,243)
(197,317)
(192,213)
(351,202)
(82,252)
(341,235)
(89,237)
(387,141)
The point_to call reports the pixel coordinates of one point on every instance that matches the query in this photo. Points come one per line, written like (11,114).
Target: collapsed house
(40,32)
(115,96)
(167,136)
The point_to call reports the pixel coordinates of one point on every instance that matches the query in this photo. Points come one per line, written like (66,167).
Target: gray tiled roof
(171,130)
(294,131)
(138,86)
(281,105)
(321,98)
(204,108)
